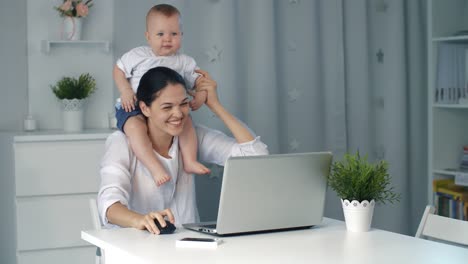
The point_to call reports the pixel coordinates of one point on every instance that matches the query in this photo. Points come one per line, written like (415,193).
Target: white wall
(13,69)
(43,23)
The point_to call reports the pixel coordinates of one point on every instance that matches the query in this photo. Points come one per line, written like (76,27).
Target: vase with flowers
(72,12)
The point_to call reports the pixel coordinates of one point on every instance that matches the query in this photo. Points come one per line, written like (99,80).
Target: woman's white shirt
(126,180)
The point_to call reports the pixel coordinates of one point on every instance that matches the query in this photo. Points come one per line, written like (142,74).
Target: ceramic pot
(358,215)
(72,114)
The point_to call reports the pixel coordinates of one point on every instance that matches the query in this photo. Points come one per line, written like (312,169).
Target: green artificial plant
(72,88)
(354,178)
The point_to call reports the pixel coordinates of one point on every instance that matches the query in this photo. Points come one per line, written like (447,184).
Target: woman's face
(169,111)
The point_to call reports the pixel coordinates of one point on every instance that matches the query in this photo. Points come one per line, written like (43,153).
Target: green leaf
(354,178)
(71,88)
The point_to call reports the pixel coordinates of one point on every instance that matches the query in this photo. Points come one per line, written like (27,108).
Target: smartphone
(198,242)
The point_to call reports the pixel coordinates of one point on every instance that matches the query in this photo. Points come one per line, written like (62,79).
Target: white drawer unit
(46,183)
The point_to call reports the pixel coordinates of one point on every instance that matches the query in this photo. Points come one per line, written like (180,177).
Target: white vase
(358,215)
(71,28)
(72,114)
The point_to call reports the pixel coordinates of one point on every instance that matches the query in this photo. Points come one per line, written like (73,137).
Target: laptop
(270,193)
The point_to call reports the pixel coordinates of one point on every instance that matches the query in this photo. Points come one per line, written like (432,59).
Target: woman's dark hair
(154,81)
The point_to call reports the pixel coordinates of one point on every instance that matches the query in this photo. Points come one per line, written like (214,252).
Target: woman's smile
(176,122)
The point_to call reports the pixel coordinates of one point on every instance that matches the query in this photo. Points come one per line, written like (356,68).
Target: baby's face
(164,35)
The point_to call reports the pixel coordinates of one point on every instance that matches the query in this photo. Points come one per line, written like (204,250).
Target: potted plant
(361,184)
(72,93)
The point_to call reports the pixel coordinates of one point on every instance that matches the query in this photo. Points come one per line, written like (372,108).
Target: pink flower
(66,5)
(82,9)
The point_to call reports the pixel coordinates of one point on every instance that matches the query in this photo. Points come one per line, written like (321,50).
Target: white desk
(328,243)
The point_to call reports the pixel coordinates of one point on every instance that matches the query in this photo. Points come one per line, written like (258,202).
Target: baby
(164,37)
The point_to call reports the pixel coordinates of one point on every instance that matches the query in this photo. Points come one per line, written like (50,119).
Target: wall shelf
(453,106)
(460,177)
(452,39)
(46,45)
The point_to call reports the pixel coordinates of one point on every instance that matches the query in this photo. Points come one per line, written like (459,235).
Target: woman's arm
(238,130)
(119,214)
(116,188)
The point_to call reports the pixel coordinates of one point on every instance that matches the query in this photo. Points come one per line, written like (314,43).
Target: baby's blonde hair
(164,9)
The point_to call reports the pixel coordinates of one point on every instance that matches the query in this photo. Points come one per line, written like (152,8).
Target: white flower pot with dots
(358,215)
(72,114)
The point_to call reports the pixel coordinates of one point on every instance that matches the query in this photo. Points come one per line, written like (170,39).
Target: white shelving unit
(46,45)
(447,123)
(47,180)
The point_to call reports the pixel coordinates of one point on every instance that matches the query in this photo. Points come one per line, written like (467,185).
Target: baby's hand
(199,98)
(128,99)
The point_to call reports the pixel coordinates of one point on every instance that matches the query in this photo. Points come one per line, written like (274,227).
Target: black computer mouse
(168,229)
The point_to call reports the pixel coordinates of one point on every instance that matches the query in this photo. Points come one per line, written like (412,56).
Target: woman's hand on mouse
(147,221)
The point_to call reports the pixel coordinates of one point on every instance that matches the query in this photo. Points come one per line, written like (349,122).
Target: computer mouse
(168,229)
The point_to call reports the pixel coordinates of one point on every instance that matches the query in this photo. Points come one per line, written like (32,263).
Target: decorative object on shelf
(72,12)
(29,124)
(71,28)
(73,92)
(112,121)
(361,184)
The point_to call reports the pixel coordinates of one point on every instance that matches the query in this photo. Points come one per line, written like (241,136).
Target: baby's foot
(196,168)
(161,178)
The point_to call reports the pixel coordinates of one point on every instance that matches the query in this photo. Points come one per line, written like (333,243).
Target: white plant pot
(71,28)
(72,114)
(358,215)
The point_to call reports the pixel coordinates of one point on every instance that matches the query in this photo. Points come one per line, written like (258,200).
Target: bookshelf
(447,33)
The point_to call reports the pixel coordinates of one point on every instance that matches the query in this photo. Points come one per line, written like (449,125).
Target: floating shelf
(47,44)
(454,39)
(454,106)
(461,177)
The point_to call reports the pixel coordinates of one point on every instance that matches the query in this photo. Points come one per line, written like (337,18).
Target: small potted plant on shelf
(361,184)
(72,93)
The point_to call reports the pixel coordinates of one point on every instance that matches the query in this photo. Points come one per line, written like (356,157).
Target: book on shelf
(450,200)
(464,160)
(451,87)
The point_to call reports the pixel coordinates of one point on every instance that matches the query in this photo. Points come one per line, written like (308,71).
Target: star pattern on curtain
(380,56)
(213,53)
(381,6)
(293,94)
(294,145)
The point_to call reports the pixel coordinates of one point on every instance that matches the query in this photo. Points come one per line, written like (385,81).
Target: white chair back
(442,228)
(94,214)
(96,225)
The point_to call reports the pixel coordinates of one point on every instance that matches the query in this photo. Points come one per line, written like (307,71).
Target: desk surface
(327,243)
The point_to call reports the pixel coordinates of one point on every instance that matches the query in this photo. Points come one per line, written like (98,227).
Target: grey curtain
(314,75)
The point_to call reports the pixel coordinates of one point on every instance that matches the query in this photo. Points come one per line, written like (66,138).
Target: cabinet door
(50,168)
(52,222)
(84,255)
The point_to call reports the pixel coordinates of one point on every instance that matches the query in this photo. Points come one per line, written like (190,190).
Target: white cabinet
(47,180)
(447,87)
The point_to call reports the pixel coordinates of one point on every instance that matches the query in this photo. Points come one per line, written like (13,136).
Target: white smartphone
(198,242)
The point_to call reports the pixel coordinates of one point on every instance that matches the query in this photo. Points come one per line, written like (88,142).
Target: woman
(128,196)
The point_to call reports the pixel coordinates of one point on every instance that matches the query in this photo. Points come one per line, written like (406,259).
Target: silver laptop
(268,193)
